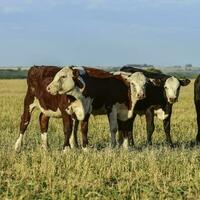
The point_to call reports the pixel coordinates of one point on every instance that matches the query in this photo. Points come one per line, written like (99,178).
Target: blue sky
(99,32)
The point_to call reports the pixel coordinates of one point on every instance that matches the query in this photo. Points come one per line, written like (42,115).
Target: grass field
(101,173)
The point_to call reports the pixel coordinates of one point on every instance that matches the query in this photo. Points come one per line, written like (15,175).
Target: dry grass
(145,173)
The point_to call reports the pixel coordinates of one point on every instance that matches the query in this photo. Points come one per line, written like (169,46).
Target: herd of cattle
(74,93)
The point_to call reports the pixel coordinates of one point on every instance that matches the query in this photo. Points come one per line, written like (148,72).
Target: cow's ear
(157,81)
(125,80)
(76,73)
(184,82)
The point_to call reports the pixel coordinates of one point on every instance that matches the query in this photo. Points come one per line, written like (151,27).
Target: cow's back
(197,89)
(104,88)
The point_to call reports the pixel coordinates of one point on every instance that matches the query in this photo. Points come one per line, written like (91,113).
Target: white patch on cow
(160,113)
(62,82)
(48,113)
(137,89)
(172,86)
(72,142)
(137,79)
(26,123)
(18,143)
(44,140)
(80,107)
(123,113)
(125,143)
(76,93)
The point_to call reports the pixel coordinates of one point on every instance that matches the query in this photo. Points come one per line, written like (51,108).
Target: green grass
(157,172)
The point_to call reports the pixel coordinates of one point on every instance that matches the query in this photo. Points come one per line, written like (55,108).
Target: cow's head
(65,81)
(172,88)
(137,83)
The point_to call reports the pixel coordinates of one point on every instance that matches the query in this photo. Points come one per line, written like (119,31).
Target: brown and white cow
(112,94)
(59,106)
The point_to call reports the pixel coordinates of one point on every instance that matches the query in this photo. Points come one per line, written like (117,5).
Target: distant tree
(188,65)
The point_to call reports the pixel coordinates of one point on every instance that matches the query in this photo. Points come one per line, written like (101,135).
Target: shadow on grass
(143,146)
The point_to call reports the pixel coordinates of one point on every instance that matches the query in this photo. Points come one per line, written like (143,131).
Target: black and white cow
(160,97)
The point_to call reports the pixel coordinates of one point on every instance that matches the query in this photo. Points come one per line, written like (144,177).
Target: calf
(59,106)
(111,94)
(197,105)
(160,97)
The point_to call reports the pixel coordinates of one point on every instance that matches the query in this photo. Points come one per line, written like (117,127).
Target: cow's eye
(63,77)
(165,88)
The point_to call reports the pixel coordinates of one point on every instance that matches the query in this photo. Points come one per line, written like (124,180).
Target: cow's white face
(172,88)
(63,82)
(138,81)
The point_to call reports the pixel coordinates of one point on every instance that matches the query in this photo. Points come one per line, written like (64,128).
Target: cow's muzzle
(173,100)
(140,96)
(51,90)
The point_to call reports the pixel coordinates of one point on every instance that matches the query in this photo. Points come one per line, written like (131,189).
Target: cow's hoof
(85,149)
(66,149)
(197,142)
(18,147)
(45,148)
(171,145)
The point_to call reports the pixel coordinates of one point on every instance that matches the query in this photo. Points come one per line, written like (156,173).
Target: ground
(156,172)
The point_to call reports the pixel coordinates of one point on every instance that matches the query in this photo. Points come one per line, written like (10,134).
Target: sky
(99,32)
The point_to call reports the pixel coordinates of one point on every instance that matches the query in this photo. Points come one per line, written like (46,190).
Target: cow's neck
(76,93)
(125,110)
(132,101)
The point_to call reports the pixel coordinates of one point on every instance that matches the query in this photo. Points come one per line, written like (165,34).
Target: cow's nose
(141,96)
(172,100)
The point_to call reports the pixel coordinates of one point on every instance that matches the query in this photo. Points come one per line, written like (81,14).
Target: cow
(59,106)
(197,105)
(161,94)
(114,94)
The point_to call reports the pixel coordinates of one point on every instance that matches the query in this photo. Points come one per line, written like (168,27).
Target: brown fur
(38,79)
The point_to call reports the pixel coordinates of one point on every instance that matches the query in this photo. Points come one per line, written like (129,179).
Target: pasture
(156,172)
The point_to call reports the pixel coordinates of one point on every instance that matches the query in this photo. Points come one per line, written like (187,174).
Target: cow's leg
(112,116)
(120,133)
(149,125)
(44,123)
(166,124)
(67,128)
(84,130)
(25,119)
(125,132)
(130,131)
(73,138)
(197,105)
(167,127)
